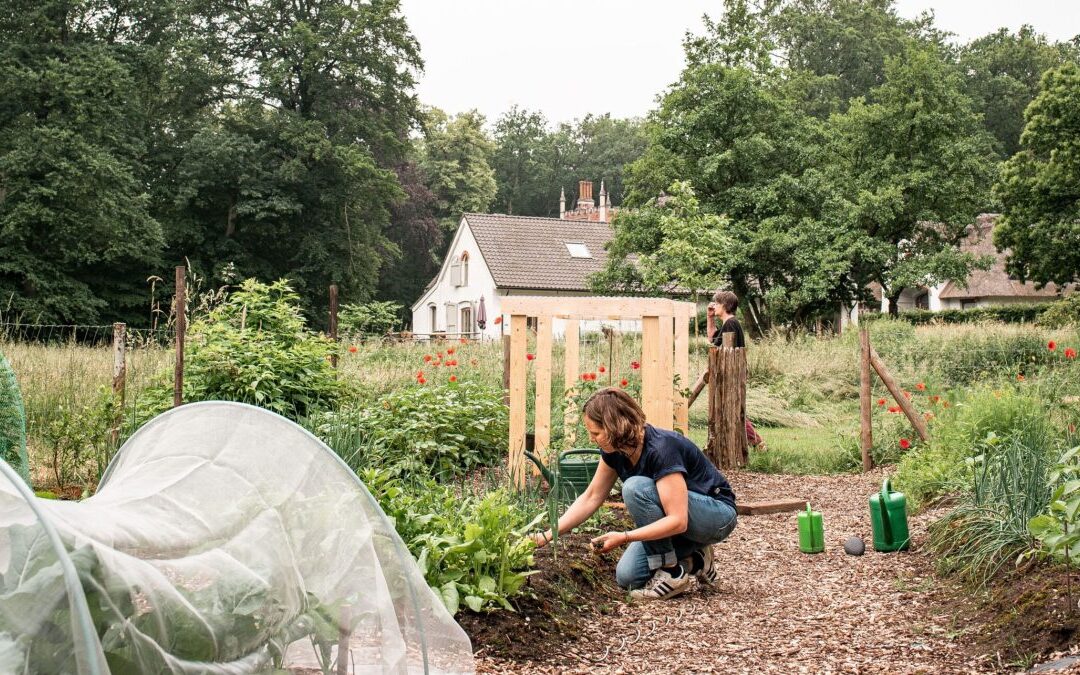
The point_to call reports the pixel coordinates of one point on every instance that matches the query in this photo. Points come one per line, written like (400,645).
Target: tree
(524,164)
(1002,71)
(1039,186)
(597,148)
(914,167)
(415,231)
(455,156)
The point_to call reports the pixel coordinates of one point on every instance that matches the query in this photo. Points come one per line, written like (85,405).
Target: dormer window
(578,249)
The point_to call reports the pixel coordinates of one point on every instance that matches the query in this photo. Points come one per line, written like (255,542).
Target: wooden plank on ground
(770,506)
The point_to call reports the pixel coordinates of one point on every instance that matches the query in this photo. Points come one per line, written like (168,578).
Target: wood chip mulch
(781,611)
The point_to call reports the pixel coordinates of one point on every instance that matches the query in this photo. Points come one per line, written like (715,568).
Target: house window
(466,320)
(578,249)
(434,317)
(465,268)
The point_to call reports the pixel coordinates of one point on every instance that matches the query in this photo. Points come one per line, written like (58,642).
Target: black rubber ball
(854,546)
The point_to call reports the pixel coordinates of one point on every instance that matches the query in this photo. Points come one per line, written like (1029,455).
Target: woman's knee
(639,488)
(632,571)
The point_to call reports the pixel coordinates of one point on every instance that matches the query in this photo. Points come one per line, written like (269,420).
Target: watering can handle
(581,451)
(886,525)
(886,486)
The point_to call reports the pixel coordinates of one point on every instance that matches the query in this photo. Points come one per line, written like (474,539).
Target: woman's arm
(676,502)
(586,504)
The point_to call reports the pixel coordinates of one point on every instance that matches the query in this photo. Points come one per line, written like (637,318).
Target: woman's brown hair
(620,416)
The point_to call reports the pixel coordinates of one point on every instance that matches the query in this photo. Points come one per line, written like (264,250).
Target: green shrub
(1064,312)
(372,318)
(1008,487)
(1018,313)
(1058,529)
(255,348)
(76,439)
(442,430)
(12,422)
(939,467)
(472,550)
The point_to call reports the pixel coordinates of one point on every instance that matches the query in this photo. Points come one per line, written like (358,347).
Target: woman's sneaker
(707,573)
(662,586)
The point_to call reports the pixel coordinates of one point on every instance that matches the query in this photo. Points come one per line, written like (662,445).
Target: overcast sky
(568,58)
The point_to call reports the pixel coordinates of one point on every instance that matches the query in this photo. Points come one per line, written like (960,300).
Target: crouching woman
(681,504)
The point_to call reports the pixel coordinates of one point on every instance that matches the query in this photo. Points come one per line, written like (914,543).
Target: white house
(493,256)
(983,288)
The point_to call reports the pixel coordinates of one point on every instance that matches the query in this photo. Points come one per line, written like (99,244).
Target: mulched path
(781,611)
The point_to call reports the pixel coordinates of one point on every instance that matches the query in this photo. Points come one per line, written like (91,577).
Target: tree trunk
(894,305)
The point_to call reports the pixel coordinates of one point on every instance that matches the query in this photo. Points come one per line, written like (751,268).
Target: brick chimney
(603,203)
(585,200)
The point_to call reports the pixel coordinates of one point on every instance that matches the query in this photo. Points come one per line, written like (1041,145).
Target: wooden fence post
(333,323)
(866,427)
(727,405)
(913,416)
(506,369)
(119,377)
(180,307)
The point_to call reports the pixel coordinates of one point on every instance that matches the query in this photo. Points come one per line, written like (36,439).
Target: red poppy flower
(928,416)
(427,358)
(1020,377)
(623,383)
(1070,353)
(585,377)
(419,373)
(905,443)
(498,320)
(453,378)
(894,409)
(635,365)
(601,369)
(920,386)
(463,340)
(881,401)
(352,349)
(530,357)
(1051,345)
(438,355)
(421,380)
(449,350)
(935,398)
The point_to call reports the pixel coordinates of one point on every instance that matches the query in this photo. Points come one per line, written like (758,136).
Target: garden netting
(223,539)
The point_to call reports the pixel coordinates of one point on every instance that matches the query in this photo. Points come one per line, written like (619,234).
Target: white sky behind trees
(569,58)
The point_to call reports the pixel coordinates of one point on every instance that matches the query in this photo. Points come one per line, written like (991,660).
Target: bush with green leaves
(1018,313)
(12,422)
(473,550)
(255,348)
(1064,312)
(939,468)
(1058,529)
(370,318)
(438,429)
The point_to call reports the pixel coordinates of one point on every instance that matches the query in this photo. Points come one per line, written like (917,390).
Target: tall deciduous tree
(1040,185)
(524,165)
(455,154)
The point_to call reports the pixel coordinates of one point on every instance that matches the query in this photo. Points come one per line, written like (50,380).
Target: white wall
(479,283)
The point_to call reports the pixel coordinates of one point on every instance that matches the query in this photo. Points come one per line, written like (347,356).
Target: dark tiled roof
(530,253)
(994,282)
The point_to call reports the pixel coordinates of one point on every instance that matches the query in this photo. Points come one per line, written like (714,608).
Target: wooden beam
(866,424)
(650,371)
(666,403)
(770,506)
(570,379)
(682,369)
(702,380)
(595,307)
(518,378)
(542,411)
(898,394)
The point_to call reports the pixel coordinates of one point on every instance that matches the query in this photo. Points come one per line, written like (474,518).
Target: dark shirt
(732,325)
(667,452)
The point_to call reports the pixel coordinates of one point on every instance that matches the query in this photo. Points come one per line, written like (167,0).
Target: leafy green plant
(472,550)
(1064,312)
(77,439)
(12,422)
(1058,530)
(371,318)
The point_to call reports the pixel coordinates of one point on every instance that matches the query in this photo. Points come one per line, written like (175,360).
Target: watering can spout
(548,476)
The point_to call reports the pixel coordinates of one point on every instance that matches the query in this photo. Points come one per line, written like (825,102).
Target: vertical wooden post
(333,323)
(610,355)
(119,377)
(909,410)
(518,380)
(650,371)
(506,369)
(570,378)
(866,426)
(180,307)
(682,369)
(666,404)
(727,405)
(542,412)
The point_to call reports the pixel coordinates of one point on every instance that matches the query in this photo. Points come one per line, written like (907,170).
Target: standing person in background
(723,307)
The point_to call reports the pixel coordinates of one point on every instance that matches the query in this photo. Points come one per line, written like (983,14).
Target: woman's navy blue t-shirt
(667,452)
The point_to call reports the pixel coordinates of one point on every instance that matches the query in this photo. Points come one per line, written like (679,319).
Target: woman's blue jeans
(710,521)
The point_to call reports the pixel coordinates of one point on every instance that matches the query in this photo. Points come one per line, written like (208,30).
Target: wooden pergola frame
(665,337)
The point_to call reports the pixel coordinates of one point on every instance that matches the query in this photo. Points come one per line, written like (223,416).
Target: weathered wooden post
(898,394)
(333,323)
(727,405)
(180,307)
(866,435)
(119,377)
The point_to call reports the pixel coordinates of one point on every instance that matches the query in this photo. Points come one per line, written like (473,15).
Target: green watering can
(575,471)
(811,531)
(888,516)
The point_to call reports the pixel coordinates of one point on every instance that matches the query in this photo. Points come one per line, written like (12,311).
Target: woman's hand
(541,539)
(609,540)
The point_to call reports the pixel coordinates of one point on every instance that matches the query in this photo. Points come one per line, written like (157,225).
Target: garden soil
(776,610)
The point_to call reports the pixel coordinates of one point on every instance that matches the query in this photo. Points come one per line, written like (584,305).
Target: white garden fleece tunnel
(223,539)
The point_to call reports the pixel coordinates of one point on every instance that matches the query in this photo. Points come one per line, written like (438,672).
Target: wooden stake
(344,634)
(518,378)
(180,307)
(119,377)
(909,410)
(333,323)
(506,369)
(866,426)
(570,379)
(542,410)
(682,371)
(702,380)
(727,405)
